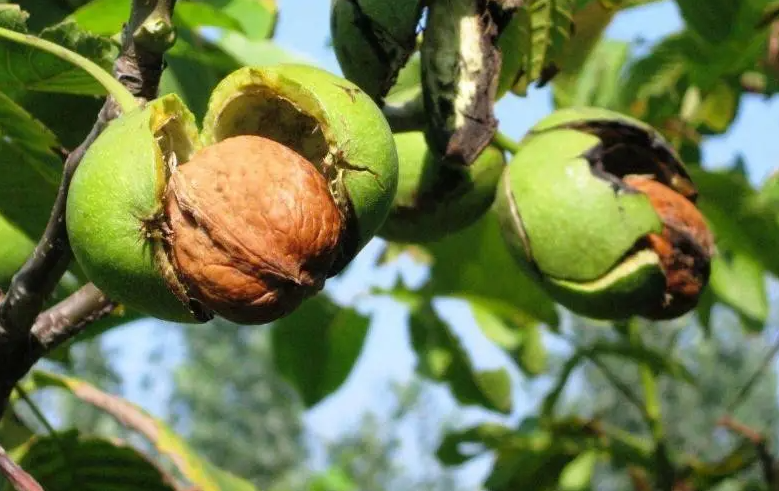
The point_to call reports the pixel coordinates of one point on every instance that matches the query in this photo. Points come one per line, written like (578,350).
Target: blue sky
(303,28)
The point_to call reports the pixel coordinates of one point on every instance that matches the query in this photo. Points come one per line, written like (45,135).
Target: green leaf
(577,476)
(534,461)
(335,479)
(769,193)
(590,21)
(32,69)
(741,222)
(550,401)
(13,17)
(770,13)
(657,74)
(530,457)
(192,81)
(548,457)
(13,431)
(198,471)
(738,280)
(316,347)
(247,51)
(598,81)
(718,108)
(442,357)
(106,17)
(729,38)
(475,264)
(192,16)
(103,17)
(68,116)
(519,336)
(551,27)
(43,13)
(256,17)
(488,435)
(31,172)
(15,247)
(711,20)
(515,44)
(658,361)
(704,310)
(67,461)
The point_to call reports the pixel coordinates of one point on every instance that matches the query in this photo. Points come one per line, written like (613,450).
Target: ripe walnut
(253,228)
(182,223)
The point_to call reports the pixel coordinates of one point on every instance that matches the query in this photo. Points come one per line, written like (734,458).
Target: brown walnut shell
(253,228)
(685,246)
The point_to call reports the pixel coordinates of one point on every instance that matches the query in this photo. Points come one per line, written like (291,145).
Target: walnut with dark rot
(289,179)
(600,210)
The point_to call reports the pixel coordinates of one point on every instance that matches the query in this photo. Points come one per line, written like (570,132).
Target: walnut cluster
(253,228)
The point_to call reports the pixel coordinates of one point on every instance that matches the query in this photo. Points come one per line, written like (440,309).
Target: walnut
(253,228)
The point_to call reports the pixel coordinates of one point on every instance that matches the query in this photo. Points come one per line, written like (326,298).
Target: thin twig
(505,143)
(69,317)
(35,410)
(743,393)
(639,479)
(52,328)
(25,336)
(618,384)
(761,447)
(665,473)
(19,479)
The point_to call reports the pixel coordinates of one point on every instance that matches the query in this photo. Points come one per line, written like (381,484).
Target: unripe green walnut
(600,210)
(373,40)
(293,173)
(437,196)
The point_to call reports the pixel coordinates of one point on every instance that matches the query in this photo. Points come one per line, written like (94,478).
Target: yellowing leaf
(201,473)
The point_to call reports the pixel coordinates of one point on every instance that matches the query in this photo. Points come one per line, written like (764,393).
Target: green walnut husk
(373,40)
(328,120)
(575,225)
(118,189)
(116,205)
(437,197)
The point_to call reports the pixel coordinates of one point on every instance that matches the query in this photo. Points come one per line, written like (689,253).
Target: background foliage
(683,405)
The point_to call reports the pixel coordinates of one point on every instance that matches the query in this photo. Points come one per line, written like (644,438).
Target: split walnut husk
(599,209)
(294,172)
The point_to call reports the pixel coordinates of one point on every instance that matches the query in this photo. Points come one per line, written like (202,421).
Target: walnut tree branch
(146,37)
(53,327)
(69,317)
(139,68)
(19,479)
